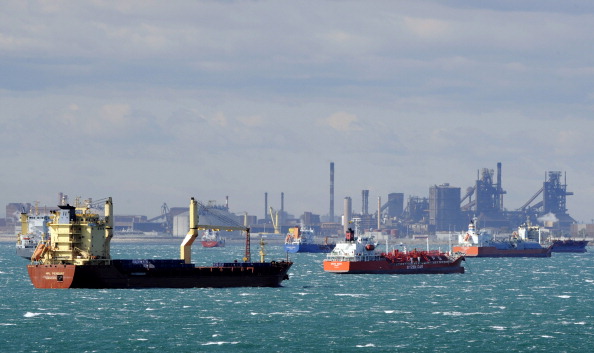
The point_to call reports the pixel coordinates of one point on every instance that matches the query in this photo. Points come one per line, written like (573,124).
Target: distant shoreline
(11,238)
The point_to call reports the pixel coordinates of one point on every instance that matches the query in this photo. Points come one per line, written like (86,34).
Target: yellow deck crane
(185,252)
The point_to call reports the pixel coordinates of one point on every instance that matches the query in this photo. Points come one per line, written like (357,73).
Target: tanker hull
(383,266)
(212,244)
(491,251)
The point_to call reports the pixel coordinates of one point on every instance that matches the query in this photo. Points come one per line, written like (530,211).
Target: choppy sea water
(498,305)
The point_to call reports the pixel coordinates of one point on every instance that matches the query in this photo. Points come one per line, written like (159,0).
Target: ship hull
(311,248)
(383,266)
(25,252)
(578,246)
(159,274)
(491,251)
(212,244)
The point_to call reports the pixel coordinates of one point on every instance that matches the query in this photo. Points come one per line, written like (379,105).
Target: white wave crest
(30,314)
(219,343)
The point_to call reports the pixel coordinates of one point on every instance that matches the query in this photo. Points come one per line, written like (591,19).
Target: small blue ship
(302,240)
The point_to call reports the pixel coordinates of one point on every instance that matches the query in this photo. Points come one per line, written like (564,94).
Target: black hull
(125,274)
(578,246)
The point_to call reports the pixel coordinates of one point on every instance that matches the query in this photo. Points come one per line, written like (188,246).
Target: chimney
(365,202)
(265,206)
(347,213)
(331,214)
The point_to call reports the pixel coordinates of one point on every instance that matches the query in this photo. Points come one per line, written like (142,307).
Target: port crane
(274,220)
(166,219)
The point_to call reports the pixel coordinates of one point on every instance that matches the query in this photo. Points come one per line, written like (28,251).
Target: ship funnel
(24,224)
(350,235)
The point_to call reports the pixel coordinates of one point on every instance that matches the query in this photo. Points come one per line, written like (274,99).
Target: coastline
(7,237)
(11,238)
(135,239)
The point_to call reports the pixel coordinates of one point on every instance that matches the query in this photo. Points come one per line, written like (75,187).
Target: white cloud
(427,28)
(220,119)
(116,114)
(342,122)
(251,121)
(162,90)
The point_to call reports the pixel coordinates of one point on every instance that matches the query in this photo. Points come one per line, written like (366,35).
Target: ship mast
(262,251)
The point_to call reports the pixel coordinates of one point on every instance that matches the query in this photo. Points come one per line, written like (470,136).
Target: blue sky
(152,102)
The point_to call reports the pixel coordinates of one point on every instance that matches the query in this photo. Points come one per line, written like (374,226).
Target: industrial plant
(445,209)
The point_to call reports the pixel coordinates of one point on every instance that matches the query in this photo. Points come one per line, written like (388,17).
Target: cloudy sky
(152,102)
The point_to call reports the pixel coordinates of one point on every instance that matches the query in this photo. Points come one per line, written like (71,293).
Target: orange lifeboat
(38,252)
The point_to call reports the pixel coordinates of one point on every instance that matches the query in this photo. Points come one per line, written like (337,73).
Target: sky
(154,102)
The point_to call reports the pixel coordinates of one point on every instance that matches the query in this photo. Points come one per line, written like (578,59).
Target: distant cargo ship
(33,230)
(358,255)
(570,245)
(212,239)
(77,255)
(303,240)
(474,243)
(534,233)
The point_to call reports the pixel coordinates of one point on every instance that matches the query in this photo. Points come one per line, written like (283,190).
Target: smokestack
(331,214)
(379,213)
(347,213)
(282,212)
(265,206)
(365,202)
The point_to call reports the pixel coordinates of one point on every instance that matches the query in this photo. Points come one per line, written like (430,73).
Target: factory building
(395,204)
(447,208)
(444,208)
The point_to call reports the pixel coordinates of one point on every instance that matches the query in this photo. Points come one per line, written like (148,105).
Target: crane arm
(274,220)
(531,199)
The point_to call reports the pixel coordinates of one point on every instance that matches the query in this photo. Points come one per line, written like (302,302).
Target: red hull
(383,266)
(491,251)
(212,244)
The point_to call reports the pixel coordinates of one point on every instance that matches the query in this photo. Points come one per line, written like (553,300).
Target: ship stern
(337,266)
(51,276)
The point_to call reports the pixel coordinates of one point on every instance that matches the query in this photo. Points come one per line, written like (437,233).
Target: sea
(497,305)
